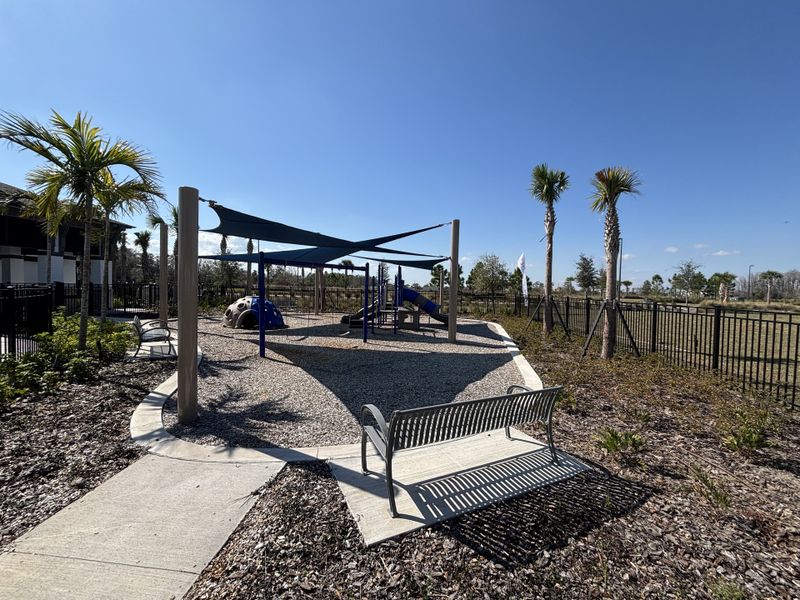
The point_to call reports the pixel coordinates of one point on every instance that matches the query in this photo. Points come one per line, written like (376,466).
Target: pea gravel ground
(319,373)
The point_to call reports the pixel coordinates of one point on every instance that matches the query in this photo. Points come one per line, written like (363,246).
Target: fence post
(586,316)
(654,327)
(58,294)
(566,313)
(716,338)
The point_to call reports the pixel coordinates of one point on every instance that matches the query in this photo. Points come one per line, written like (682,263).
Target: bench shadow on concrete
(515,532)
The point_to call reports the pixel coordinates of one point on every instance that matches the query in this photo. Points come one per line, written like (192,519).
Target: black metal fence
(24,312)
(759,349)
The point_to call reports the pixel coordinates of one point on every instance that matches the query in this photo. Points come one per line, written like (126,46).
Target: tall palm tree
(171,221)
(546,187)
(249,267)
(123,256)
(142,239)
(128,196)
(609,184)
(76,155)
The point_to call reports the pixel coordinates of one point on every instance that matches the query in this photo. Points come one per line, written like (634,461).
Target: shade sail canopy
(239,224)
(427,265)
(303,257)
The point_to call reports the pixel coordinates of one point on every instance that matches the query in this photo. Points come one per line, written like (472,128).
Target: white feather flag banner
(521,267)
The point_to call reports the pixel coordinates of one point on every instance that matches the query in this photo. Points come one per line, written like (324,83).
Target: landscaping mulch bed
(678,515)
(58,446)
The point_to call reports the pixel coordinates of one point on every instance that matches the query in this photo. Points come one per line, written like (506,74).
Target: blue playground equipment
(385,307)
(243,314)
(272,313)
(424,304)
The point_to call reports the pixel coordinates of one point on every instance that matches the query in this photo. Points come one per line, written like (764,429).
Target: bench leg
(364,470)
(390,486)
(508,433)
(550,443)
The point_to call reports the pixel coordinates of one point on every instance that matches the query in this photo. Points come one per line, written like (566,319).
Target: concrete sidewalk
(145,533)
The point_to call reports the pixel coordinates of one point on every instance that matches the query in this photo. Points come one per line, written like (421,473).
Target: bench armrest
(156,331)
(376,414)
(519,388)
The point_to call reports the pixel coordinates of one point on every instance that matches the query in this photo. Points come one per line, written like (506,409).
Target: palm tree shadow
(231,416)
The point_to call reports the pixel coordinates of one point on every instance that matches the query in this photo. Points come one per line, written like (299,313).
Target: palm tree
(609,184)
(627,283)
(142,239)
(153,220)
(546,187)
(249,267)
(52,213)
(128,197)
(123,256)
(76,155)
(770,277)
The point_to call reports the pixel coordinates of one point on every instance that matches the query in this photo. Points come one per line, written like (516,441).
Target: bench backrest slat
(432,424)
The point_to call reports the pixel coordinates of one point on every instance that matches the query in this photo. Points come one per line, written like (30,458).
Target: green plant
(711,490)
(745,426)
(58,358)
(726,590)
(620,442)
(77,156)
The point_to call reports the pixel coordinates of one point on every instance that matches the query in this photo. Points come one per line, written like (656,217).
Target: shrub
(712,491)
(620,442)
(726,590)
(746,426)
(57,358)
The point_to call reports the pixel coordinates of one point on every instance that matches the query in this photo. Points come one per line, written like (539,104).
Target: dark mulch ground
(685,516)
(57,447)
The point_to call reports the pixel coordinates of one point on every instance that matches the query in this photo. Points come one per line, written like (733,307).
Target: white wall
(70,271)
(31,271)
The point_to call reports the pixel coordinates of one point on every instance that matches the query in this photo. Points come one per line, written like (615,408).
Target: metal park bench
(151,332)
(419,427)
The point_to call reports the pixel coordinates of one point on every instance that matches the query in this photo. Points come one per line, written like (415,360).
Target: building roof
(10,195)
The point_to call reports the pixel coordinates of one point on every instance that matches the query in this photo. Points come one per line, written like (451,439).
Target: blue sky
(359,119)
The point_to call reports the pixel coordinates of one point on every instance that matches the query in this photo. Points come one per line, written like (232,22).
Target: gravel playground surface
(319,373)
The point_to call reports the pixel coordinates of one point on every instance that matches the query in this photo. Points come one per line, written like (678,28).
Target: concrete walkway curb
(147,427)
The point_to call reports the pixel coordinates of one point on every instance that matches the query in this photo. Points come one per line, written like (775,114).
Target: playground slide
(425,305)
(354,320)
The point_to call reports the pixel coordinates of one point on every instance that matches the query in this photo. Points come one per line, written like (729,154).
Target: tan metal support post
(452,309)
(163,277)
(188,200)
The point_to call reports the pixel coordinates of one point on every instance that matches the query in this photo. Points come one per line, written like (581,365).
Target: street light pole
(750,282)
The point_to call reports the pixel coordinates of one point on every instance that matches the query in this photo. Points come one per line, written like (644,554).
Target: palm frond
(610,183)
(547,184)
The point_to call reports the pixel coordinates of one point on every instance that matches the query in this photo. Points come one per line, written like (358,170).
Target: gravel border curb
(147,427)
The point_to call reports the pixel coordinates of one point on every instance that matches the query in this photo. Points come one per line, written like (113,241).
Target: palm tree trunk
(549,229)
(86,272)
(247,283)
(104,279)
(612,250)
(49,267)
